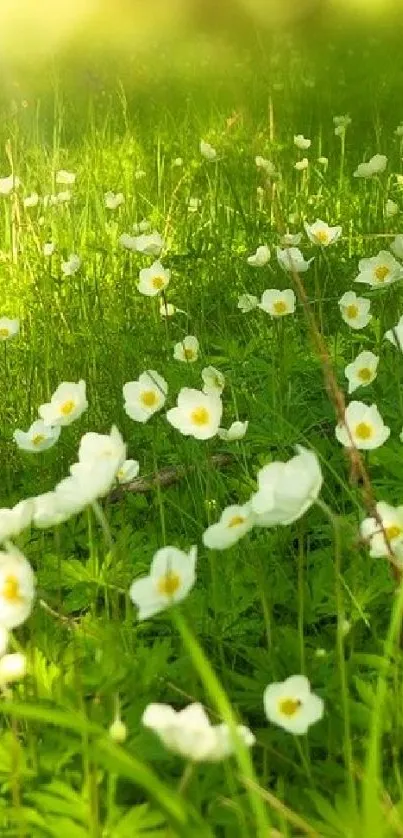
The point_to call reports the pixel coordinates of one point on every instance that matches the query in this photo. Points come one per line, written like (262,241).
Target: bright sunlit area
(201,422)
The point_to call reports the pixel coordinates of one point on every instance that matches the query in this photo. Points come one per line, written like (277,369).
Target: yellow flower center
(352,311)
(365,374)
(189,353)
(393,531)
(280,307)
(322,236)
(200,416)
(37,439)
(67,407)
(4,332)
(11,590)
(381,273)
(363,430)
(148,398)
(169,583)
(289,706)
(158,282)
(236,521)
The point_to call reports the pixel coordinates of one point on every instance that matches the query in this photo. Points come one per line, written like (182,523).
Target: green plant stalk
(372,769)
(221,702)
(347,740)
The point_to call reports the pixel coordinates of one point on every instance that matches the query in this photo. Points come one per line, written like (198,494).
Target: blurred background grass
(80,31)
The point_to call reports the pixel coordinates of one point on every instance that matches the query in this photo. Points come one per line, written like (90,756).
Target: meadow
(202,409)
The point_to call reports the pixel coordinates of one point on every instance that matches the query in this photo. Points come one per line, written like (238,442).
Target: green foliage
(280,602)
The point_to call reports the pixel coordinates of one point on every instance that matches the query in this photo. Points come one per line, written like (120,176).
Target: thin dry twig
(358,470)
(166,477)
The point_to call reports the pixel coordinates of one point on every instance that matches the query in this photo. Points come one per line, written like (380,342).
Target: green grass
(277,603)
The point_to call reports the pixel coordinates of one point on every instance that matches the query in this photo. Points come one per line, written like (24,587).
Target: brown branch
(166,477)
(336,396)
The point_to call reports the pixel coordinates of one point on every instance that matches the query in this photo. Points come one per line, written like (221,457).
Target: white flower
(320,233)
(301,142)
(50,201)
(71,265)
(291,239)
(145,396)
(190,734)
(366,426)
(13,521)
(48,249)
(234,523)
(12,668)
(187,350)
(7,184)
(108,447)
(153,280)
(151,244)
(392,526)
(399,130)
(92,477)
(17,588)
(113,200)
(4,640)
(39,437)
(341,124)
(48,510)
(355,310)
(397,246)
(301,165)
(140,174)
(172,575)
(287,490)
(197,414)
(54,200)
(207,151)
(235,431)
(213,380)
(291,259)
(67,403)
(8,328)
(63,197)
(247,302)
(391,208)
(374,166)
(194,204)
(128,241)
(278,303)
(344,120)
(395,335)
(65,178)
(267,166)
(178,162)
(87,482)
(324,161)
(260,258)
(142,226)
(128,471)
(31,200)
(379,270)
(362,371)
(290,704)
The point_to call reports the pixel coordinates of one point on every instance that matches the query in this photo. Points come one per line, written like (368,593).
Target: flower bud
(12,668)
(118,731)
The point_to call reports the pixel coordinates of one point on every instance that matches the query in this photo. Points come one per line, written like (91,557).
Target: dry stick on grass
(358,470)
(166,477)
